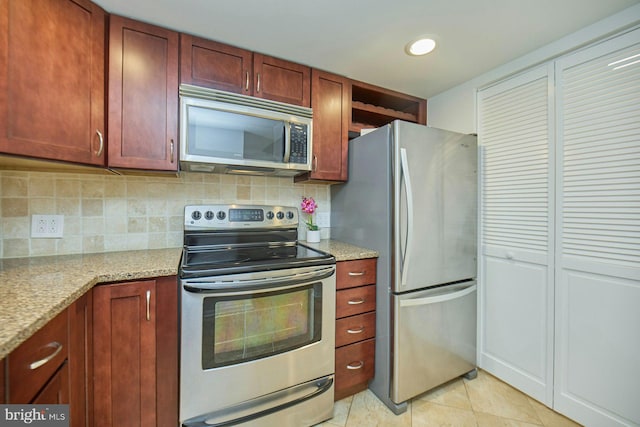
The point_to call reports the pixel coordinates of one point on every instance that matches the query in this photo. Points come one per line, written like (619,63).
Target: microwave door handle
(287,142)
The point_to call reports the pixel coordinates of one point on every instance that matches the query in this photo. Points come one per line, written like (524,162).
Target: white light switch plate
(47,226)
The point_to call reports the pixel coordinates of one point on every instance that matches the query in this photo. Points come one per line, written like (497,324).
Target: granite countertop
(34,290)
(343,251)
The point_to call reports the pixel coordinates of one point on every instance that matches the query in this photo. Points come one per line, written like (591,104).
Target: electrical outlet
(323,219)
(47,226)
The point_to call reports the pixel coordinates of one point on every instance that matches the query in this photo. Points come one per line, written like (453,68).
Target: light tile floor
(482,402)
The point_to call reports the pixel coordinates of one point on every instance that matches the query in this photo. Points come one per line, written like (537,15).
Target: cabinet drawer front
(355,328)
(354,364)
(355,301)
(33,363)
(355,273)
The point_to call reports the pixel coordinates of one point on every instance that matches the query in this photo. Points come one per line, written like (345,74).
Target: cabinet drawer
(36,360)
(355,328)
(355,301)
(355,273)
(354,364)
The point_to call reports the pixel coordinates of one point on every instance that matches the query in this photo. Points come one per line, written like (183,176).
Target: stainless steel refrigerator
(412,196)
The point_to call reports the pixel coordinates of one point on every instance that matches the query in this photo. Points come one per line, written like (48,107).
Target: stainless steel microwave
(224,132)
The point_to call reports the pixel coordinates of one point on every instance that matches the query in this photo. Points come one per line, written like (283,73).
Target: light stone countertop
(342,251)
(34,290)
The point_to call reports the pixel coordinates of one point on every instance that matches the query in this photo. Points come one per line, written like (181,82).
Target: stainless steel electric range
(257,325)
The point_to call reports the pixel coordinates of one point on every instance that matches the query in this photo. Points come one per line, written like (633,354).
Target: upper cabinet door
(52,79)
(282,81)
(330,103)
(143,96)
(215,65)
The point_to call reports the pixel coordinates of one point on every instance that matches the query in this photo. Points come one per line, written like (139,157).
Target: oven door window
(242,328)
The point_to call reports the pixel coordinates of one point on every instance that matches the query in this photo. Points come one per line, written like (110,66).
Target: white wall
(455,109)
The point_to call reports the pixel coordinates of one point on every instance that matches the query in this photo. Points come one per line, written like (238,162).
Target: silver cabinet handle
(315,163)
(246,81)
(57,349)
(358,365)
(101,139)
(356,331)
(354,273)
(148,305)
(258,85)
(356,301)
(172,150)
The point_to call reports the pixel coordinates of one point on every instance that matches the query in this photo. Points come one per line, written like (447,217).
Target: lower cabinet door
(354,367)
(124,337)
(56,391)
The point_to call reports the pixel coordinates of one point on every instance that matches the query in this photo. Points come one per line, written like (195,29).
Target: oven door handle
(236,287)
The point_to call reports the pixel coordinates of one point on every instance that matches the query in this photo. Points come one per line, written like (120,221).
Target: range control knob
(208,215)
(196,215)
(221,215)
(270,215)
(289,215)
(280,215)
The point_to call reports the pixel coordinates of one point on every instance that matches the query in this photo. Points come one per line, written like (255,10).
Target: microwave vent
(244,100)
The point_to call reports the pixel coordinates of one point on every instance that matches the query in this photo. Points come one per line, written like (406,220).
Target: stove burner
(243,239)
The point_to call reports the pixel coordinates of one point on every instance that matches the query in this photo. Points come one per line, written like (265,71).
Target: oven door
(246,336)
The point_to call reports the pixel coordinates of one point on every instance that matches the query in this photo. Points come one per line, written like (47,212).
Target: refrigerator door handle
(404,164)
(438,298)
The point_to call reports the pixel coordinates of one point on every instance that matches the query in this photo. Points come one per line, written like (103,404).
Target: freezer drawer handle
(356,301)
(355,365)
(57,349)
(356,273)
(356,331)
(439,298)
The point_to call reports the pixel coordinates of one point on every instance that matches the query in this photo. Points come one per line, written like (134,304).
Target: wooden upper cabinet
(52,79)
(330,101)
(281,80)
(143,96)
(215,65)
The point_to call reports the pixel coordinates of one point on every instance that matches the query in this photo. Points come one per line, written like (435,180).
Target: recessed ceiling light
(420,47)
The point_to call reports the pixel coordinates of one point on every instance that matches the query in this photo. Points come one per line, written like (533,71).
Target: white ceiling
(365,39)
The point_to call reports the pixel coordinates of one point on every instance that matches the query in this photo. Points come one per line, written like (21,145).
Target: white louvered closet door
(516,232)
(597,379)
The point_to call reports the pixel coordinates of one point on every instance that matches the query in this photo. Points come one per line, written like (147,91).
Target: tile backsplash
(104,213)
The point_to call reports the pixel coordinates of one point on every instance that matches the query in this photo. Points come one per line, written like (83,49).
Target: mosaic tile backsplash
(104,213)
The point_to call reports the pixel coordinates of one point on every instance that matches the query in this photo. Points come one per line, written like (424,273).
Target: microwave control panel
(299,144)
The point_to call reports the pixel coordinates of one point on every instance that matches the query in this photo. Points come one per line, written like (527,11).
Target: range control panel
(239,216)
